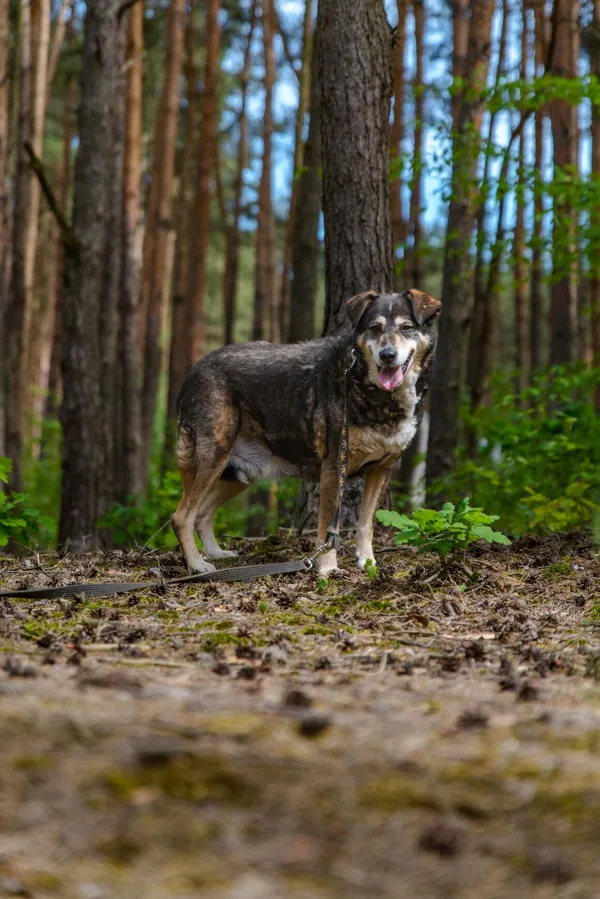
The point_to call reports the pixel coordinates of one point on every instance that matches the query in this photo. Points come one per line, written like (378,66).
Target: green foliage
(371,569)
(444,532)
(20,522)
(538,454)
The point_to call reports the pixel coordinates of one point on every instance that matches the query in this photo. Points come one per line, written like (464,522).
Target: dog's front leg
(375,483)
(327,505)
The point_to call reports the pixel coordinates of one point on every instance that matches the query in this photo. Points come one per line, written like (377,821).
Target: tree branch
(37,167)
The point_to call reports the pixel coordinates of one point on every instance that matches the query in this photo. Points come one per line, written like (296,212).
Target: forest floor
(304,739)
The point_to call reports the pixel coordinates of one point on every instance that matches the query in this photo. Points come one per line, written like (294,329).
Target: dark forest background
(176,175)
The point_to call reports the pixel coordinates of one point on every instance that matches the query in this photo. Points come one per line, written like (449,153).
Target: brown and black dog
(259,410)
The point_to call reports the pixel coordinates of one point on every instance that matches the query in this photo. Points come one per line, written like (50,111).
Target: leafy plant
(20,522)
(444,532)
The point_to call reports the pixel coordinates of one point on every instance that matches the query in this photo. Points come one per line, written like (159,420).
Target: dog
(260,410)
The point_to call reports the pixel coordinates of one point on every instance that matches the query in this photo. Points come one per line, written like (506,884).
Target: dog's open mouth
(390,378)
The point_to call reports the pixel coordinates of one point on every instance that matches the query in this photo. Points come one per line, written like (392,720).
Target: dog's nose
(387,354)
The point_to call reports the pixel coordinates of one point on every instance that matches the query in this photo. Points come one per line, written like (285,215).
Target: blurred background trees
(175,175)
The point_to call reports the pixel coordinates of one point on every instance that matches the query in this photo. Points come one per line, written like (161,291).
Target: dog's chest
(372,443)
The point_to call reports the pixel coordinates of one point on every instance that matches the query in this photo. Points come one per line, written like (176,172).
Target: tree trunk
(265,296)
(355,110)
(159,224)
(396,138)
(595,260)
(128,411)
(457,286)
(563,117)
(232,247)
(537,317)
(4,195)
(414,274)
(204,186)
(60,28)
(521,267)
(305,251)
(460,46)
(15,307)
(82,413)
(303,101)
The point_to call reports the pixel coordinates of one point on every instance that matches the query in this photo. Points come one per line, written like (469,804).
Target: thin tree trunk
(460,46)
(15,307)
(4,195)
(60,28)
(537,265)
(128,412)
(158,226)
(457,286)
(305,251)
(415,263)
(521,267)
(82,413)
(595,260)
(204,186)
(232,248)
(396,138)
(563,117)
(265,296)
(303,101)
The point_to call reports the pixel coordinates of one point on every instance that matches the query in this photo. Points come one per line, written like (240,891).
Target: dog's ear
(424,307)
(359,304)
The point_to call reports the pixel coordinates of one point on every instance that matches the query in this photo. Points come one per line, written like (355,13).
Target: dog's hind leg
(221,492)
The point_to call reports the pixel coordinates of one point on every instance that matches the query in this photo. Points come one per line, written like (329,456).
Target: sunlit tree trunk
(457,285)
(520,263)
(414,274)
(15,306)
(563,117)
(232,246)
(303,102)
(204,186)
(159,223)
(396,138)
(265,297)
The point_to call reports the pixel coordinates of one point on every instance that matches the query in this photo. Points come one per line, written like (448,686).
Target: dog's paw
(326,564)
(201,566)
(222,554)
(361,560)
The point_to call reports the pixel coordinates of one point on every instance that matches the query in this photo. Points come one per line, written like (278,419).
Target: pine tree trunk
(204,188)
(159,224)
(457,286)
(128,411)
(355,111)
(563,117)
(82,413)
(4,197)
(595,260)
(537,316)
(303,102)
(179,350)
(414,274)
(15,307)
(265,298)
(460,46)
(305,251)
(521,267)
(396,138)
(232,248)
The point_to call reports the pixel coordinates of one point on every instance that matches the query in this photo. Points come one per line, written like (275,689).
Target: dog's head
(394,332)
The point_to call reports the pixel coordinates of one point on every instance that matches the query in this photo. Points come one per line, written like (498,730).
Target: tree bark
(298,162)
(82,413)
(595,260)
(563,118)
(537,317)
(232,248)
(4,195)
(457,286)
(305,251)
(396,138)
(15,307)
(521,267)
(460,46)
(265,296)
(159,224)
(128,411)
(415,264)
(204,186)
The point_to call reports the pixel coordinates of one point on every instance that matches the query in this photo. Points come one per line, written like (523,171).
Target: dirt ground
(299,738)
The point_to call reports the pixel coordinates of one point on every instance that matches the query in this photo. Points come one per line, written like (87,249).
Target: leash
(243,572)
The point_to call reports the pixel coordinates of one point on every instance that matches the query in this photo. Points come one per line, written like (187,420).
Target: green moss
(395,792)
(314,629)
(223,638)
(224,625)
(559,569)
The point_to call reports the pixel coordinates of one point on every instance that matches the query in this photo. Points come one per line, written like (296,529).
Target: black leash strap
(242,573)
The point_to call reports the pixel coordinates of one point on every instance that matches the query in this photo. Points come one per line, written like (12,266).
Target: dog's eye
(406,329)
(375,329)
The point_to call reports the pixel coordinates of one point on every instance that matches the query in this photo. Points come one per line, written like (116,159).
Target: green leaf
(395,520)
(486,533)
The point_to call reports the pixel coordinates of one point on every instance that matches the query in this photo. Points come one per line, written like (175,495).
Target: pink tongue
(390,378)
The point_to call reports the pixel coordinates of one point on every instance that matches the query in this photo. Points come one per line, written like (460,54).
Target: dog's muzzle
(390,376)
